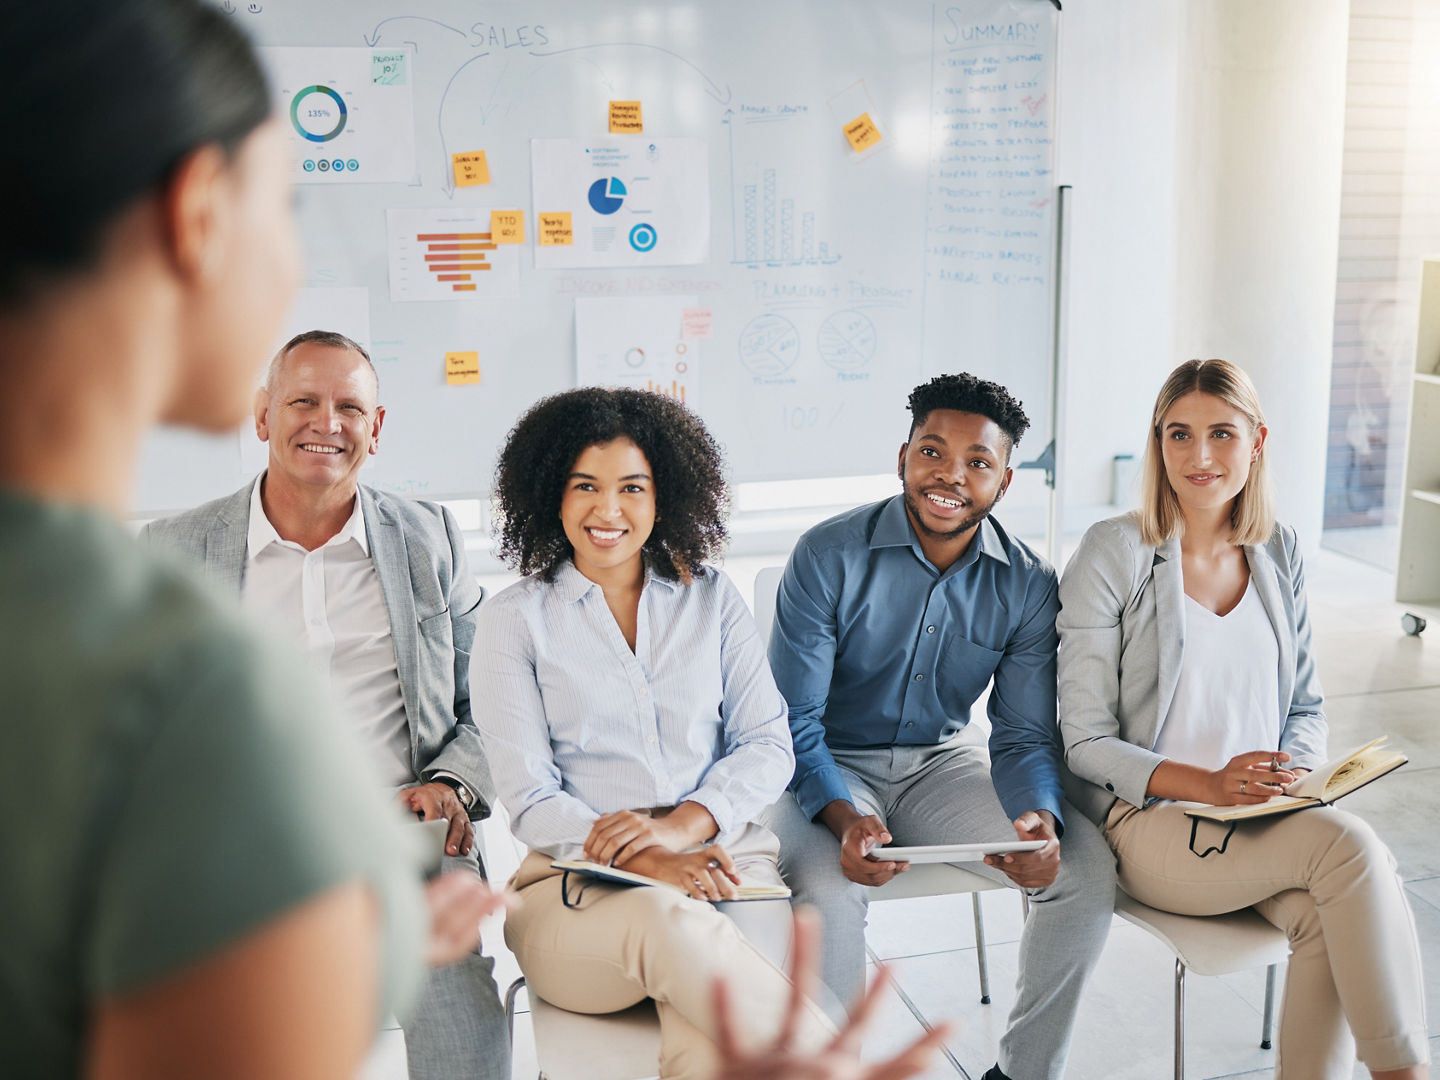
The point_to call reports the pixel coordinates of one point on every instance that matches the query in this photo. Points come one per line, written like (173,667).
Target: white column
(1261,126)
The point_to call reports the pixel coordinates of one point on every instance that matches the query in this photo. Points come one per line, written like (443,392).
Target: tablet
(954,852)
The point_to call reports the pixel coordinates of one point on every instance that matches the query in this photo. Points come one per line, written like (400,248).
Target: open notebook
(601,872)
(1336,778)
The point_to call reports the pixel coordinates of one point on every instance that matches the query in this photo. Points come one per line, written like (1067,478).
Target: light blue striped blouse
(575,725)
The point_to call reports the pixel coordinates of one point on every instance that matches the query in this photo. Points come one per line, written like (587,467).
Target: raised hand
(840,1059)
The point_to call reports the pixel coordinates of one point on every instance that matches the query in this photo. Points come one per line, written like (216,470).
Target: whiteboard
(835,280)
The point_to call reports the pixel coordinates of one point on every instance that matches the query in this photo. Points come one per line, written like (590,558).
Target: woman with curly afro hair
(690,494)
(630,719)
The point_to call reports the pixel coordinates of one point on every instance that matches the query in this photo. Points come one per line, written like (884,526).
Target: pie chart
(769,345)
(606,195)
(847,340)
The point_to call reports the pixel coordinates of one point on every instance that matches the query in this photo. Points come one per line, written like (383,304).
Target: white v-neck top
(1225,699)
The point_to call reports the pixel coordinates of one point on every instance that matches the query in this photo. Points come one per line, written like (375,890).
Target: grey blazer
(1122,635)
(419,556)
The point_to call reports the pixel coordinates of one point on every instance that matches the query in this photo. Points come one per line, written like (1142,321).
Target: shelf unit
(1417,575)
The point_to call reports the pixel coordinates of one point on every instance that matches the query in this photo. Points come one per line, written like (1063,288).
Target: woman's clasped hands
(657,847)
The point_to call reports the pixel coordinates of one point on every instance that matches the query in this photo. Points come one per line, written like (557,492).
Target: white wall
(1262,112)
(1203,140)
(1119,70)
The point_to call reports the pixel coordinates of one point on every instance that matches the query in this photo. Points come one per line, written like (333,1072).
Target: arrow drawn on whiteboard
(373,37)
(712,87)
(440,125)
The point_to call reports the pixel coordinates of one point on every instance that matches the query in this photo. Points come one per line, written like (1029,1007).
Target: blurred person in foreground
(200,878)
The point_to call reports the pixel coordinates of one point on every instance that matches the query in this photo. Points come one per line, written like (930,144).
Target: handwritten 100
(801,418)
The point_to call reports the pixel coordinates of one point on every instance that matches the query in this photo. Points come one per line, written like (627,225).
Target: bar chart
(449,255)
(671,390)
(774,228)
(455,257)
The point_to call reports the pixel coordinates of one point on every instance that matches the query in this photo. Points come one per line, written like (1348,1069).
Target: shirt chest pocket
(966,668)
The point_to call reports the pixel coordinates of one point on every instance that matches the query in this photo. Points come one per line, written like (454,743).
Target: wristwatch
(465,795)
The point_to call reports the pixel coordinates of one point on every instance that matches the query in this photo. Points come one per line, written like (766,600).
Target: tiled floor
(1376,680)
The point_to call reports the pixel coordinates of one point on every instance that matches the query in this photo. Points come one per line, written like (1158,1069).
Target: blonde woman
(1186,675)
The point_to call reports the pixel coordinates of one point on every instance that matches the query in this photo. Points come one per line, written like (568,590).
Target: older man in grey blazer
(376,589)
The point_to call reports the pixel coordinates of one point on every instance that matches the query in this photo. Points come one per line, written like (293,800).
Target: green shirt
(168,784)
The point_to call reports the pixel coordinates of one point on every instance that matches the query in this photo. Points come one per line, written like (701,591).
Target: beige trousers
(1354,986)
(622,945)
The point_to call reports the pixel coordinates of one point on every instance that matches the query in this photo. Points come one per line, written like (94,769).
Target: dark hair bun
(104,99)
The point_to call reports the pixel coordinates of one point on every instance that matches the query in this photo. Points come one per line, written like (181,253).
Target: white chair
(1211,945)
(621,1045)
(942,879)
(568,1046)
(767,584)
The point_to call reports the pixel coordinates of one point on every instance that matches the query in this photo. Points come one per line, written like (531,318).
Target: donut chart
(318,119)
(643,237)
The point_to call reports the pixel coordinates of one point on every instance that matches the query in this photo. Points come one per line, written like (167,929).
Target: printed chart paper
(634,200)
(449,255)
(637,342)
(350,111)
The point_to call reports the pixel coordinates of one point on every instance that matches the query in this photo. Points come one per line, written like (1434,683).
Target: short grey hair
(316,337)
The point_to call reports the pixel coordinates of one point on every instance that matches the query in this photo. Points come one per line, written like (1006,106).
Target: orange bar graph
(674,390)
(453,257)
(461,247)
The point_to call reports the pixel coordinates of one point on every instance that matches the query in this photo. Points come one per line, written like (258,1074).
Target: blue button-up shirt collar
(893,529)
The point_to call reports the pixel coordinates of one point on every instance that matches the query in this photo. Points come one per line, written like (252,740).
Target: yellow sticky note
(462,368)
(555,230)
(470,169)
(862,133)
(625,118)
(507,226)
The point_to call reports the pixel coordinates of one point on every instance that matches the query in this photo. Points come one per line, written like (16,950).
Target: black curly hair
(691,496)
(967,393)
